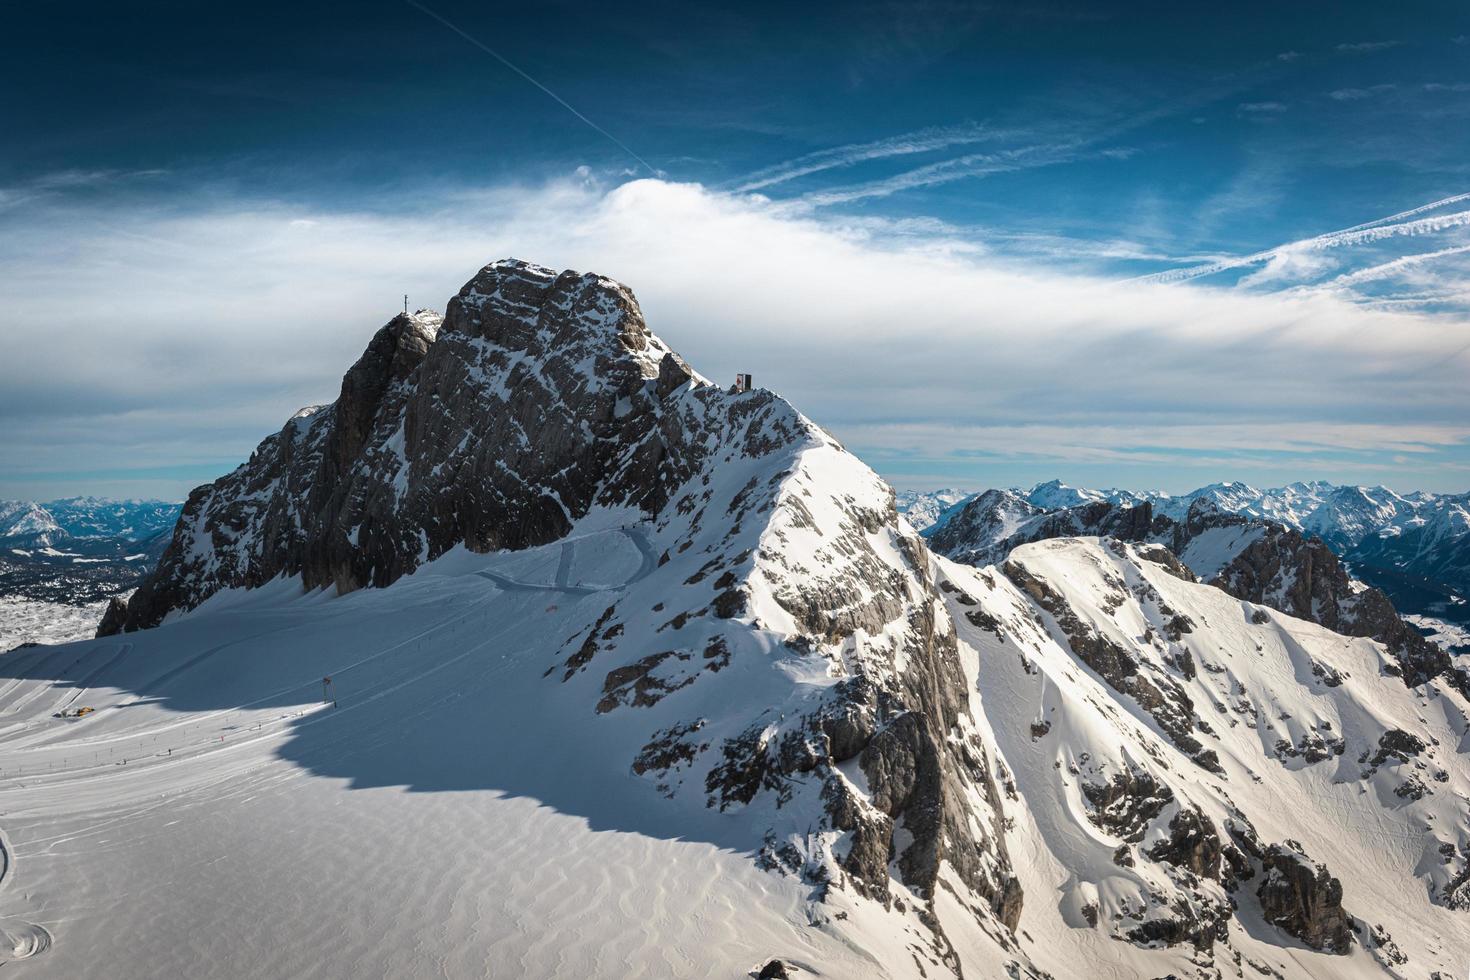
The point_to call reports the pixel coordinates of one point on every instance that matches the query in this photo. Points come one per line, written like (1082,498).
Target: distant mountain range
(80,550)
(86,517)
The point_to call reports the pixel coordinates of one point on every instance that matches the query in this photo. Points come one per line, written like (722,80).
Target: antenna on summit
(405,304)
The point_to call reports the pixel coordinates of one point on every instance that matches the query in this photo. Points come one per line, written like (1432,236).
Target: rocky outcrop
(1126,805)
(1302,899)
(1301,576)
(1193,843)
(533,399)
(114,618)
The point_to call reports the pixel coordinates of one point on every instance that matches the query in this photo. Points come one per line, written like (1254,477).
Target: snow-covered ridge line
(1252,559)
(83,517)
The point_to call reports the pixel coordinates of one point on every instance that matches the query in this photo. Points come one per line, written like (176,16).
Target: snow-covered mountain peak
(923,509)
(760,630)
(23,517)
(588,592)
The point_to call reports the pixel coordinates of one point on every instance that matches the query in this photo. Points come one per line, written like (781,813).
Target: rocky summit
(599,615)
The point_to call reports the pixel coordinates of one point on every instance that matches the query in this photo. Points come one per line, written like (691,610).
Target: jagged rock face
(1304,900)
(534,398)
(1193,843)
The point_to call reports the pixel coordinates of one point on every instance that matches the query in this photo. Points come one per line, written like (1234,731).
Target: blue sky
(1142,245)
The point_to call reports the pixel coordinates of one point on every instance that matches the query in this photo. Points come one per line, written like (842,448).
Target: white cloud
(1358,94)
(140,337)
(1363,47)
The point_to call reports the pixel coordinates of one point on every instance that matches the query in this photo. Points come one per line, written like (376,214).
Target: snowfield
(457,812)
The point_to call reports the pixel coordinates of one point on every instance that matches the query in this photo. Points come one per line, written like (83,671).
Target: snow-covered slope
(672,690)
(1096,705)
(1252,559)
(459,809)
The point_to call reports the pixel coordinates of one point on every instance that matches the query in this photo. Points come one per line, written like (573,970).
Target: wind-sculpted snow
(674,690)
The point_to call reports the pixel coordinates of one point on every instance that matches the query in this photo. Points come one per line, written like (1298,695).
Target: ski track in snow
(197,765)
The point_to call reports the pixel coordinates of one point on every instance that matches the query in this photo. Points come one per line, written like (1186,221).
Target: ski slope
(454,814)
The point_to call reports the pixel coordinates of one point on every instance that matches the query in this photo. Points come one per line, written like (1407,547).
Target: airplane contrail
(921,141)
(513,67)
(1374,230)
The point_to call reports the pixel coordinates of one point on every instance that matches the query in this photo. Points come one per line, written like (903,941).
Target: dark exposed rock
(1397,744)
(774,970)
(360,492)
(1160,555)
(1192,843)
(1126,804)
(1303,900)
(638,685)
(114,618)
(1200,924)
